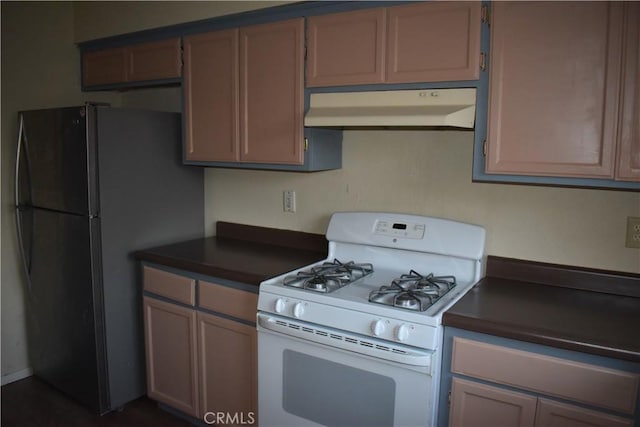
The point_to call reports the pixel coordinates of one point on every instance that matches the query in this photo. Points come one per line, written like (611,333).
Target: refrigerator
(93,184)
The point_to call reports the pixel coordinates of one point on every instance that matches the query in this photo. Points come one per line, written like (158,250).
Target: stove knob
(402,332)
(377,327)
(298,309)
(280,305)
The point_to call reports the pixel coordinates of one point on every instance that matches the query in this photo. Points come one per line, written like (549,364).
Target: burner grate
(329,276)
(413,291)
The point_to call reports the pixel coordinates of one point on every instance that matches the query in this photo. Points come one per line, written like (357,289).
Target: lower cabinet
(201,357)
(491,381)
(170,341)
(228,366)
(477,404)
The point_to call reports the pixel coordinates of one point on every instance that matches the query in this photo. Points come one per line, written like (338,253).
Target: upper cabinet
(211,96)
(272,92)
(244,101)
(347,48)
(555,86)
(433,42)
(136,63)
(628,160)
(426,42)
(243,92)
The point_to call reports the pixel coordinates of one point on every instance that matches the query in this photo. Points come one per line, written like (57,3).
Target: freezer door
(65,319)
(55,163)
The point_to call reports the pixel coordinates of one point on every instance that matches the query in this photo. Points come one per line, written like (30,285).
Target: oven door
(309,375)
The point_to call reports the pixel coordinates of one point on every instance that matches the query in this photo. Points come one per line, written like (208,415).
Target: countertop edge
(475,324)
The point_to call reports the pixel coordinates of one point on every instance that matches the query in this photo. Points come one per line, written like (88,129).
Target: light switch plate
(633,232)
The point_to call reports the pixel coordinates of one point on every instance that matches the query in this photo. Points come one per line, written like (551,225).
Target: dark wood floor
(32,403)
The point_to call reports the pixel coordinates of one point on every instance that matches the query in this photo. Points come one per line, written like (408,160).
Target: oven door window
(331,393)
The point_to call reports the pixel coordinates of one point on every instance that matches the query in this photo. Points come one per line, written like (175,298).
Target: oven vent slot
(354,343)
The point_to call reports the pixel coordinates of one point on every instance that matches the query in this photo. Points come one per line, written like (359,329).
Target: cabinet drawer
(230,301)
(169,285)
(580,382)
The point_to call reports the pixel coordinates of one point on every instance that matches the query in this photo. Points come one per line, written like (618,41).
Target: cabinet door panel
(211,96)
(170,340)
(556,414)
(346,48)
(271,92)
(480,405)
(553,88)
(103,67)
(154,61)
(628,165)
(228,365)
(435,41)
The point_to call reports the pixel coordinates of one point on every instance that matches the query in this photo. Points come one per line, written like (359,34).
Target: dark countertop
(241,253)
(575,318)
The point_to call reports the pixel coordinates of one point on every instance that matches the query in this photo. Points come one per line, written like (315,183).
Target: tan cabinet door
(211,96)
(170,341)
(103,67)
(480,405)
(628,164)
(154,61)
(555,73)
(346,48)
(271,92)
(556,414)
(228,366)
(434,41)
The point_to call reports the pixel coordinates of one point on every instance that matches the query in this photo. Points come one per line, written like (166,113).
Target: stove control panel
(398,330)
(407,230)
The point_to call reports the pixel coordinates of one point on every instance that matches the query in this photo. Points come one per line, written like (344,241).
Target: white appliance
(330,349)
(423,107)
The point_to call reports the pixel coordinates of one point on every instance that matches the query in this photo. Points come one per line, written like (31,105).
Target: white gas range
(356,339)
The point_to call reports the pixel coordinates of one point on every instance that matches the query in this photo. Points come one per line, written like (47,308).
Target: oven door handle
(346,341)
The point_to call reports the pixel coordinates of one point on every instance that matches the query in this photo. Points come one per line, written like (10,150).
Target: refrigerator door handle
(25,263)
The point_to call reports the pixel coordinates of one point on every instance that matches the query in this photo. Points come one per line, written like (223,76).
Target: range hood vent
(414,108)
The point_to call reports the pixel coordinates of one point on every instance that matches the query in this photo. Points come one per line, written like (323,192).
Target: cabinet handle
(306,144)
(483,61)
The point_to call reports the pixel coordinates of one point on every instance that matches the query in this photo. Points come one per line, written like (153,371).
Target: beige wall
(429,173)
(95,19)
(405,171)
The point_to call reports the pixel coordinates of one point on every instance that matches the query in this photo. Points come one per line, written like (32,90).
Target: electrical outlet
(289,201)
(633,232)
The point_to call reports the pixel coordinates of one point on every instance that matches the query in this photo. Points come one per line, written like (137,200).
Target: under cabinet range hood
(404,108)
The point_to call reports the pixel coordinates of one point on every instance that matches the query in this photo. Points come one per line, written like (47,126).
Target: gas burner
(406,300)
(328,276)
(413,291)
